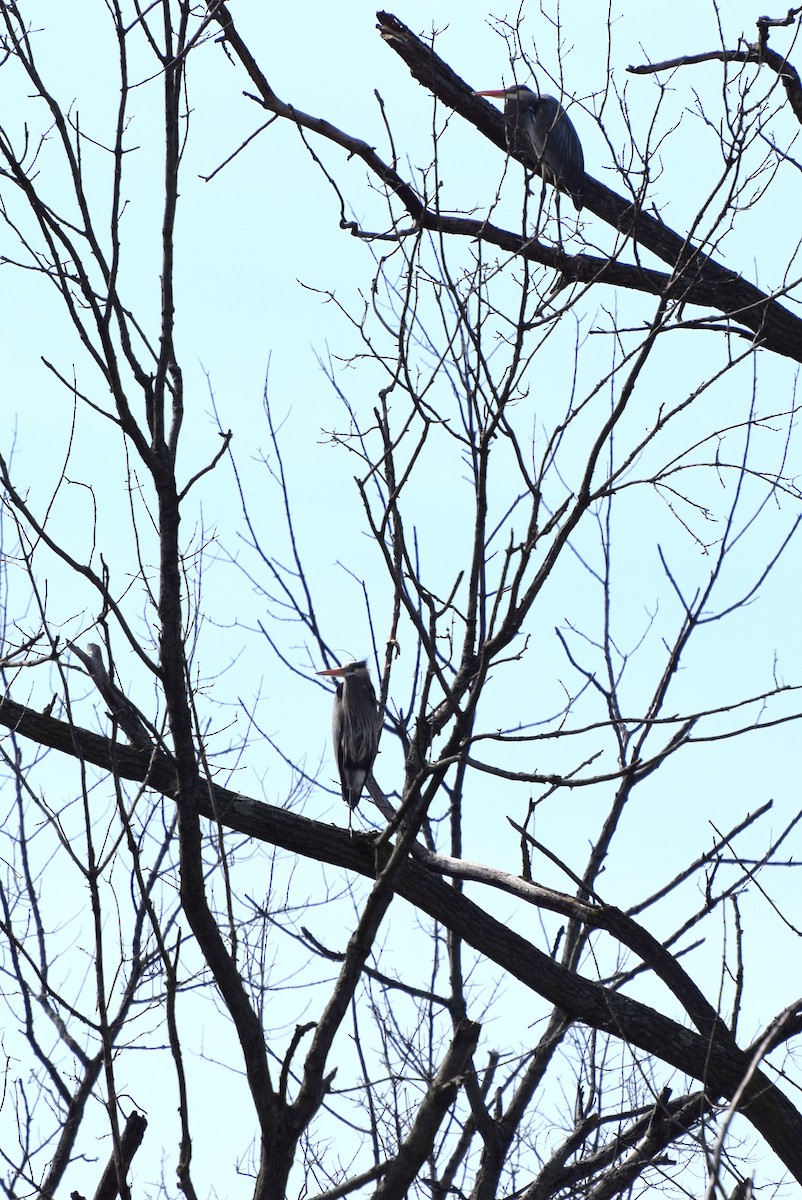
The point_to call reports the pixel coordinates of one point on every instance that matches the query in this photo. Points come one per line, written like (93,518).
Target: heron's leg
(559,226)
(542,207)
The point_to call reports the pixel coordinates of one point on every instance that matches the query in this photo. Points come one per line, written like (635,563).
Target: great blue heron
(539,128)
(354,728)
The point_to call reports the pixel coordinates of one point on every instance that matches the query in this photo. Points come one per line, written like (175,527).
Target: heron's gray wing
(559,148)
(355,735)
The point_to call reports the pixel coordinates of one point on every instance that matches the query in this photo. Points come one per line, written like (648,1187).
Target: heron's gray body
(538,128)
(354,728)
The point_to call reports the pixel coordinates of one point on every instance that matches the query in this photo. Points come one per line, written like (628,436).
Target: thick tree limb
(134,1131)
(715,1060)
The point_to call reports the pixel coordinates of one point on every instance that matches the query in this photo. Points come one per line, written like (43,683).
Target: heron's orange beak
(332,671)
(494,92)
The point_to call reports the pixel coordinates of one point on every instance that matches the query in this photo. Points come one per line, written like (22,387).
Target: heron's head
(517,91)
(347,670)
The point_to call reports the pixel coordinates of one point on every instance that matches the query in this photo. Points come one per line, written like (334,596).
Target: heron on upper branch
(354,728)
(539,128)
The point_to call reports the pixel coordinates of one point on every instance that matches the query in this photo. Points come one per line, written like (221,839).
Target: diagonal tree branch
(440,1095)
(694,277)
(130,1142)
(772,325)
(713,1059)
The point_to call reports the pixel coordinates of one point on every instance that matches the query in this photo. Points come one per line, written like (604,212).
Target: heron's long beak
(494,92)
(332,671)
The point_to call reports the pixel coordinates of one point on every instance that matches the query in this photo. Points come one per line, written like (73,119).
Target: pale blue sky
(253,245)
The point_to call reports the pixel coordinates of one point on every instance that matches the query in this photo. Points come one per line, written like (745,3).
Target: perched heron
(539,128)
(354,728)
